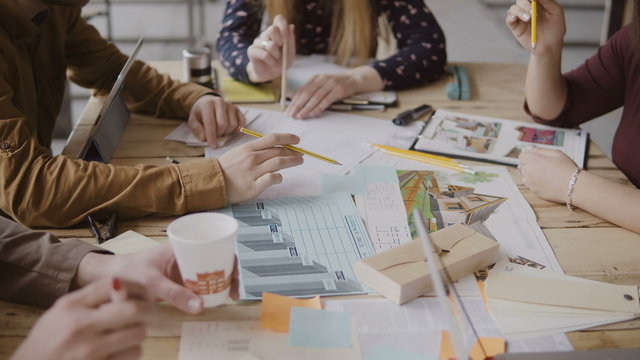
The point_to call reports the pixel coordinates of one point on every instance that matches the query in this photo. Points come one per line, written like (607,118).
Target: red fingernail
(116,284)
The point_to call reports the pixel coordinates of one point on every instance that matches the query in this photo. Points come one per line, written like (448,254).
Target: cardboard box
(401,274)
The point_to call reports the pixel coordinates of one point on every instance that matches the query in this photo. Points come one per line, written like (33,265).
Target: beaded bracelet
(572,185)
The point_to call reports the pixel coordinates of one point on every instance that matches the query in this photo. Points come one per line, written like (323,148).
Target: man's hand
(155,269)
(87,325)
(212,117)
(251,168)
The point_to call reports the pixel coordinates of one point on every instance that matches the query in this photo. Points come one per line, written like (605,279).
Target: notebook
(496,140)
(240,93)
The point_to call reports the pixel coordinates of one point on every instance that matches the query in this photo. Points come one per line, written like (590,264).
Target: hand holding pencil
(538,24)
(267,57)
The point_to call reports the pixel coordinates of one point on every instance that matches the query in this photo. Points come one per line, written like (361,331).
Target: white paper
(417,326)
(129,242)
(305,67)
(339,136)
(183,134)
(236,340)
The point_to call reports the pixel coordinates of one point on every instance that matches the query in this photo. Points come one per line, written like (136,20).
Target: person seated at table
(40,40)
(606,81)
(347,29)
(36,269)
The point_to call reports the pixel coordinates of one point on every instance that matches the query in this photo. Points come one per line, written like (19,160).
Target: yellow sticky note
(492,346)
(276,310)
(237,92)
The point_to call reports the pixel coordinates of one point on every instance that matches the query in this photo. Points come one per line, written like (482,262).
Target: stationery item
(319,328)
(400,274)
(350,107)
(336,135)
(103,225)
(417,327)
(292,147)
(496,140)
(425,158)
(460,87)
(299,246)
(534,24)
(529,302)
(197,67)
(276,310)
(204,245)
(172,160)
(182,133)
(283,79)
(238,92)
(483,348)
(235,340)
(305,67)
(129,242)
(414,114)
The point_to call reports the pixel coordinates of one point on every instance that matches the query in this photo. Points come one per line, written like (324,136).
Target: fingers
(119,314)
(521,10)
(195,124)
(272,140)
(265,181)
(292,45)
(309,95)
(235,281)
(175,294)
(99,292)
(280,31)
(278,163)
(120,344)
(242,120)
(129,354)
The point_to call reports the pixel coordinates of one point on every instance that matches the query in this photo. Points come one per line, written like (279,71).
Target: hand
(212,117)
(155,269)
(319,93)
(251,168)
(547,173)
(551,25)
(85,324)
(265,54)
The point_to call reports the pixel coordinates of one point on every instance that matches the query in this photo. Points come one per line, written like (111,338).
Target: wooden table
(585,245)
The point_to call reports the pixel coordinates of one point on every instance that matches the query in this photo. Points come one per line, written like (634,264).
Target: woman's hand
(265,54)
(547,173)
(551,25)
(212,117)
(253,167)
(86,324)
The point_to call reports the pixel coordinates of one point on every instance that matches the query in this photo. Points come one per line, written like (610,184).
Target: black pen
(407,116)
(172,160)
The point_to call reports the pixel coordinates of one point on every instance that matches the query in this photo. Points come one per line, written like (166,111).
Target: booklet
(496,140)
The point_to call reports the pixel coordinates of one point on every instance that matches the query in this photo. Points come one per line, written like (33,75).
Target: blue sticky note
(381,352)
(319,328)
(375,173)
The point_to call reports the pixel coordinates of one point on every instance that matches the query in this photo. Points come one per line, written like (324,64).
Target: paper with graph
(300,246)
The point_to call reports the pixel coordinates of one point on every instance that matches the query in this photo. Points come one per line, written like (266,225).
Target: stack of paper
(530,302)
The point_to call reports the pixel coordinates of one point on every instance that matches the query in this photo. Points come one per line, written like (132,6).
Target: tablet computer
(111,120)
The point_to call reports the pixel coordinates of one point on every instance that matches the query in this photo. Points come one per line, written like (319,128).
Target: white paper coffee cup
(204,245)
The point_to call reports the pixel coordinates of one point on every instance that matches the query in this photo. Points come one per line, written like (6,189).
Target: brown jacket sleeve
(35,267)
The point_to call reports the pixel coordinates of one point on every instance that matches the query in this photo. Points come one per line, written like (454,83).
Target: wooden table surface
(585,245)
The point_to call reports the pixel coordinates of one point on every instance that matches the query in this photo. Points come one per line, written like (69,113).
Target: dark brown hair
(636,28)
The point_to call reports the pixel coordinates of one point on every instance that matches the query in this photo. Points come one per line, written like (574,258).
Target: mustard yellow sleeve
(94,63)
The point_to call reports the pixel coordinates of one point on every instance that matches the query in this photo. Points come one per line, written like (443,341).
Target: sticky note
(129,242)
(492,346)
(380,352)
(238,92)
(277,308)
(319,328)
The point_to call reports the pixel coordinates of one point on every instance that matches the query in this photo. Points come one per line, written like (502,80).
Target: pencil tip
(533,45)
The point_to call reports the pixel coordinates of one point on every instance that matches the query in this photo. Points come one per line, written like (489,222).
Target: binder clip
(103,225)
(459,88)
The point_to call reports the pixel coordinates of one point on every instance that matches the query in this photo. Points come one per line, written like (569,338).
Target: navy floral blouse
(421,56)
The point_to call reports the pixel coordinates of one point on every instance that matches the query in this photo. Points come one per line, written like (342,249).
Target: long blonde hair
(353,30)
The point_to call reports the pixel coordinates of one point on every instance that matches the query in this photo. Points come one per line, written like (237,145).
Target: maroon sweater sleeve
(596,87)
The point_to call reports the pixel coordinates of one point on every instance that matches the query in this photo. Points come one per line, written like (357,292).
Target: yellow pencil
(283,79)
(534,24)
(418,154)
(443,164)
(294,148)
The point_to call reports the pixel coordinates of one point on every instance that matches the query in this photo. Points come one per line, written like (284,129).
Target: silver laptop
(111,121)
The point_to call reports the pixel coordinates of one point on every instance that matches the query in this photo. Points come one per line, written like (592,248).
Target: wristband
(572,185)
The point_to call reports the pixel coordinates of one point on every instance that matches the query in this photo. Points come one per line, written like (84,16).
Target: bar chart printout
(300,246)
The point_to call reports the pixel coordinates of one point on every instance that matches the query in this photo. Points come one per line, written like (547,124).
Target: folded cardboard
(401,274)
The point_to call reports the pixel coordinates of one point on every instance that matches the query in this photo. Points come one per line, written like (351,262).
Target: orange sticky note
(492,346)
(276,310)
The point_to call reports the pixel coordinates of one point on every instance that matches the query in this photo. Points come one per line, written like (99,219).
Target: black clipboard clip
(103,225)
